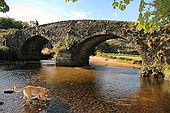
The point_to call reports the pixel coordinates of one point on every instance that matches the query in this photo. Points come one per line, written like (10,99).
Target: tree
(10,23)
(152,15)
(3,6)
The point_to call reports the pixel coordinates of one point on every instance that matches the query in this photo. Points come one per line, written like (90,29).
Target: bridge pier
(70,59)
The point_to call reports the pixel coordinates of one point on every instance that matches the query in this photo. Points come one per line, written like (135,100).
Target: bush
(6,53)
(3,49)
(10,23)
(156,71)
(105,47)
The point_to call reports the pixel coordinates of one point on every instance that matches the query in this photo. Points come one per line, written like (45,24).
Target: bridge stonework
(29,42)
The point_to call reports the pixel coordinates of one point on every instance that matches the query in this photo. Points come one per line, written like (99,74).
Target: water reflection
(22,66)
(87,89)
(155,84)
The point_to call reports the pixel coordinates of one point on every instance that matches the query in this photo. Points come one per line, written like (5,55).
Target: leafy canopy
(152,15)
(3,6)
(10,23)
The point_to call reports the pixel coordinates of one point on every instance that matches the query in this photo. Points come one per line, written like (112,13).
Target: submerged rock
(8,92)
(1,103)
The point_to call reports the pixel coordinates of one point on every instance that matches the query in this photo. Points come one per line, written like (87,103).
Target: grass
(136,59)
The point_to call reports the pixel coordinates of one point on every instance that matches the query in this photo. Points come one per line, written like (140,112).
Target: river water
(92,89)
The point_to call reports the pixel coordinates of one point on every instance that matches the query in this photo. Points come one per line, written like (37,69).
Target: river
(91,89)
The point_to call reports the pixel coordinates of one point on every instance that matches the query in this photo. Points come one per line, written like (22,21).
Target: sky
(47,11)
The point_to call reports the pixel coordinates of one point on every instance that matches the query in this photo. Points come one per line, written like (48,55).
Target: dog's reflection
(36,106)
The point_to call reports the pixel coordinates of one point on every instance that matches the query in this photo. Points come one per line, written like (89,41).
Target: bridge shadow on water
(20,65)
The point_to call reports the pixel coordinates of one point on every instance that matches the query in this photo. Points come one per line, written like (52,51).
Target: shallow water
(92,89)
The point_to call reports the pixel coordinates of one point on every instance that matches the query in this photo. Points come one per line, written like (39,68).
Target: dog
(32,92)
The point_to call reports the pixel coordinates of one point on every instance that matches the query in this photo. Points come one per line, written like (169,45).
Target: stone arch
(88,46)
(31,49)
(79,54)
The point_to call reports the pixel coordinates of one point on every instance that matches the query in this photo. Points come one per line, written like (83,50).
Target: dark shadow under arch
(31,49)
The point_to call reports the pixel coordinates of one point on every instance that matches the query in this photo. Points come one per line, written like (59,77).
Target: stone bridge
(87,34)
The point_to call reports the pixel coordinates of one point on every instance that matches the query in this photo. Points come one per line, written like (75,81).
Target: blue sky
(47,11)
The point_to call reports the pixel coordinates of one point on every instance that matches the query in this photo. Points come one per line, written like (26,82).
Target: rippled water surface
(93,89)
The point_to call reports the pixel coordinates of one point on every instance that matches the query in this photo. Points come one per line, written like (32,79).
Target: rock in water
(1,103)
(8,92)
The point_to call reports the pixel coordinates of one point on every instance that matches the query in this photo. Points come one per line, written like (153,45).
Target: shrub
(7,23)
(6,53)
(155,71)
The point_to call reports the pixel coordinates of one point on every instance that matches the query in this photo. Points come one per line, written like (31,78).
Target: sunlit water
(93,89)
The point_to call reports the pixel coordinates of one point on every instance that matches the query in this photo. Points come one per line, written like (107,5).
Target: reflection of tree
(153,83)
(151,96)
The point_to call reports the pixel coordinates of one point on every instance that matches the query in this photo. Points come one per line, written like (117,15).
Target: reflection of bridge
(29,42)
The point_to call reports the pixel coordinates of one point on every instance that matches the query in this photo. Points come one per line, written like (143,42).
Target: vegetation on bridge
(65,44)
(8,26)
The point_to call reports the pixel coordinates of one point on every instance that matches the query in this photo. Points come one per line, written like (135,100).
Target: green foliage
(65,44)
(152,15)
(71,0)
(107,48)
(6,53)
(121,4)
(159,47)
(154,70)
(10,23)
(117,46)
(3,49)
(68,41)
(3,7)
(135,59)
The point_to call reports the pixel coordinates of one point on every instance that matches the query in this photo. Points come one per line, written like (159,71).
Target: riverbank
(98,60)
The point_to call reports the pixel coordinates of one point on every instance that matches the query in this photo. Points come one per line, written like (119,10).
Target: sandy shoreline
(111,62)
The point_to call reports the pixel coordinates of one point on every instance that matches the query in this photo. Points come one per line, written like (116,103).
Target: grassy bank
(134,59)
